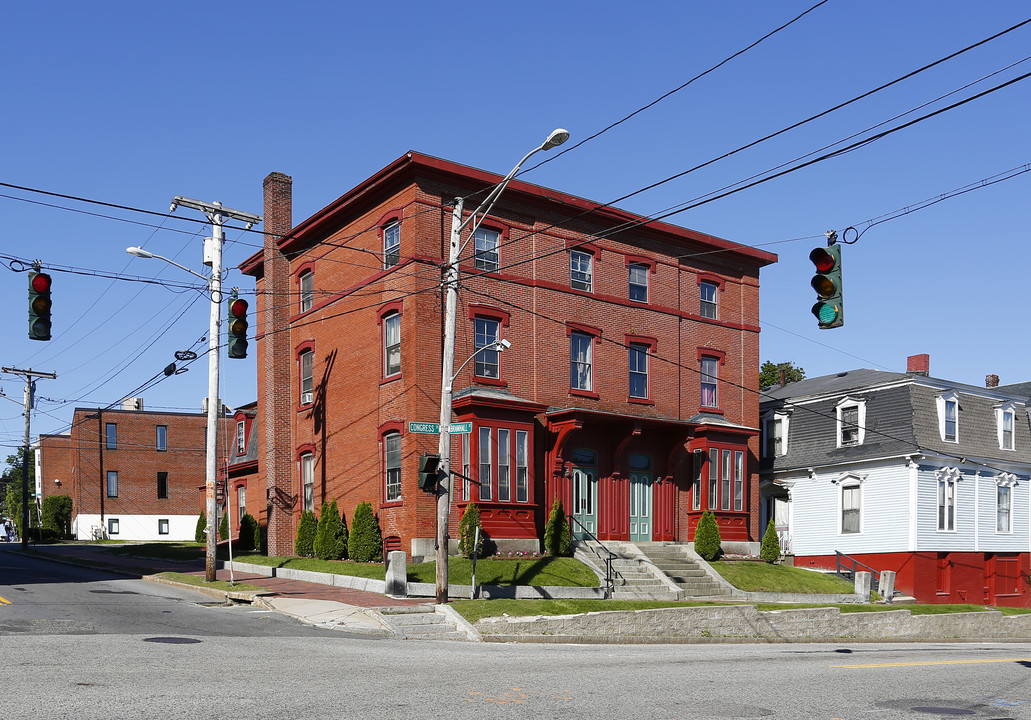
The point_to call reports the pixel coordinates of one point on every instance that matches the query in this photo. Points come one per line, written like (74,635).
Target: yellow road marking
(5,601)
(933,662)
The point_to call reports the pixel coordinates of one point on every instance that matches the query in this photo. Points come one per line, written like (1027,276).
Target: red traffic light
(823,260)
(40,282)
(238,308)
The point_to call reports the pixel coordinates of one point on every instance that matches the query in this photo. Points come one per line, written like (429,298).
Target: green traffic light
(826,313)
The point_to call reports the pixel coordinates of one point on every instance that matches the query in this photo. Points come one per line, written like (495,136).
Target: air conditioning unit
(133,403)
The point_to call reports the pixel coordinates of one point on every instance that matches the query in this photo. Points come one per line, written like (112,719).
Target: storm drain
(172,640)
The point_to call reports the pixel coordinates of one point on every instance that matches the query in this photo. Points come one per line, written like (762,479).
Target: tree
(223,526)
(57,515)
(330,542)
(305,540)
(250,535)
(707,537)
(769,374)
(770,548)
(557,540)
(365,542)
(13,497)
(202,523)
(467,533)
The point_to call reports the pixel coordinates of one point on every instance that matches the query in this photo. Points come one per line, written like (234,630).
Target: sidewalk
(323,605)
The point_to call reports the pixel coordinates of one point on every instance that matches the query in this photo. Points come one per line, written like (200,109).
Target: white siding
(816,512)
(138,527)
(929,538)
(988,538)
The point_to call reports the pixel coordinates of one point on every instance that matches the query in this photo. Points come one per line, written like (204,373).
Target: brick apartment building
(629,390)
(131,474)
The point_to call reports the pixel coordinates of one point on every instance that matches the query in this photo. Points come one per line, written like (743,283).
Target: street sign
(462,428)
(424,427)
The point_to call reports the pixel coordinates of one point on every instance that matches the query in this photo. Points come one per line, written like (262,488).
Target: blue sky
(132,103)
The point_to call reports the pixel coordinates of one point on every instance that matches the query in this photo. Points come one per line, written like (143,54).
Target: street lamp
(447,374)
(216,215)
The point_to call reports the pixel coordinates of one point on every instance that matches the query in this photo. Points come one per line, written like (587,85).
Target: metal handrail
(839,555)
(610,583)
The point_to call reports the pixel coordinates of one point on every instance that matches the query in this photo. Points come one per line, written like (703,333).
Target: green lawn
(764,577)
(218,584)
(559,571)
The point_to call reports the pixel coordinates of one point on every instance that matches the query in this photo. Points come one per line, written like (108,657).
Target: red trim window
(502,461)
(582,342)
(306,287)
(306,373)
(390,445)
(487,242)
(389,319)
(639,368)
(488,326)
(390,236)
(306,463)
(709,362)
(709,288)
(638,271)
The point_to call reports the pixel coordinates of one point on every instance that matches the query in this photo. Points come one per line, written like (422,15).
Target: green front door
(585,502)
(640,506)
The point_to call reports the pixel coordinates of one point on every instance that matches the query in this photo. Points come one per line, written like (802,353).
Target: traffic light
(429,472)
(237,328)
(829,308)
(39,306)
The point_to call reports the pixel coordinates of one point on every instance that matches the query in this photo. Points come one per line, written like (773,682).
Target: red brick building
(629,390)
(131,474)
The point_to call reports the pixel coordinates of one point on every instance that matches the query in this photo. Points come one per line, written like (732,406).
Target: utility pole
(447,374)
(29,373)
(216,215)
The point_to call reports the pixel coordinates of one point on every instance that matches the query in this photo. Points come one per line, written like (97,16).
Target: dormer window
(775,434)
(1005,424)
(948,416)
(851,422)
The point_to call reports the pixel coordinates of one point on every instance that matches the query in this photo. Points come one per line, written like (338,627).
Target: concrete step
(427,625)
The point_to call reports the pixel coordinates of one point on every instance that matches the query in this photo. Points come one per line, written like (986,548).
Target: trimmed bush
(770,549)
(330,542)
(306,530)
(250,535)
(202,523)
(467,546)
(365,542)
(223,527)
(57,515)
(557,538)
(707,537)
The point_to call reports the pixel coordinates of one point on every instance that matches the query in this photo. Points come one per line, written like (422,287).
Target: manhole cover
(172,640)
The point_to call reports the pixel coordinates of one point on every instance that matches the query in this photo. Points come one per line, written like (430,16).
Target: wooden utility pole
(30,384)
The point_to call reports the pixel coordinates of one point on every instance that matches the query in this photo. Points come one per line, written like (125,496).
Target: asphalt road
(77,644)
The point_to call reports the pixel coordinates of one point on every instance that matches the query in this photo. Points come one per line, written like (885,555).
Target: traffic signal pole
(29,373)
(217,215)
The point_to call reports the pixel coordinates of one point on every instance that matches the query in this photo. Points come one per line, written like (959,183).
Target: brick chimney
(918,365)
(274,365)
(991,380)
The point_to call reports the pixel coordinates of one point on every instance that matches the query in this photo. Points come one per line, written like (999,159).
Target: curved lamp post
(447,374)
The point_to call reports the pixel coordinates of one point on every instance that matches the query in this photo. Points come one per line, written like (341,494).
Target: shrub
(330,542)
(467,545)
(250,535)
(707,537)
(202,523)
(557,540)
(365,542)
(770,548)
(305,534)
(223,526)
(57,515)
